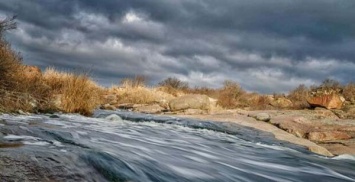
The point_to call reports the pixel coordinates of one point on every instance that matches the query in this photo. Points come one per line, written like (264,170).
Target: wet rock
(328,136)
(113,117)
(320,150)
(23,113)
(332,101)
(150,109)
(190,102)
(54,116)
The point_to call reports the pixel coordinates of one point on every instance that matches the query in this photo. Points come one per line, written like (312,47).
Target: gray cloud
(266,46)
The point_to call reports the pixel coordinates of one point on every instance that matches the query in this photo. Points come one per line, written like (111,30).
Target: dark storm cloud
(265,45)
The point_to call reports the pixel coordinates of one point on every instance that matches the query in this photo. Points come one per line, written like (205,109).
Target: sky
(265,45)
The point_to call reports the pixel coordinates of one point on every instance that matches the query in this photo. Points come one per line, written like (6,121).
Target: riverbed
(140,147)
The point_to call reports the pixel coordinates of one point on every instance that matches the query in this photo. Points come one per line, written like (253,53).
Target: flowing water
(153,148)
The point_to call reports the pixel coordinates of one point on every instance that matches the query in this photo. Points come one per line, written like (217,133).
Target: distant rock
(150,109)
(192,101)
(113,117)
(262,117)
(328,136)
(332,101)
(108,107)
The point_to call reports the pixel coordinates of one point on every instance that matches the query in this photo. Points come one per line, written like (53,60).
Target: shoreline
(278,133)
(246,118)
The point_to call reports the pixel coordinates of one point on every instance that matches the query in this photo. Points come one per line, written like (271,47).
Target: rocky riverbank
(326,130)
(320,131)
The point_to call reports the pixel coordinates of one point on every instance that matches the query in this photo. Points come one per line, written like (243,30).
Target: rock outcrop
(192,101)
(332,101)
(328,136)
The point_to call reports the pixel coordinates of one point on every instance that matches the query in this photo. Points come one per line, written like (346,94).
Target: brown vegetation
(299,97)
(230,95)
(77,92)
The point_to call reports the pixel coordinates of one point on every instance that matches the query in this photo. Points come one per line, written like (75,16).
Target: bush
(174,86)
(299,97)
(174,83)
(230,94)
(349,92)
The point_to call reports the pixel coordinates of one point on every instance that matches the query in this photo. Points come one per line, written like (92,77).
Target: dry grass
(349,92)
(138,81)
(140,95)
(210,92)
(78,93)
(18,91)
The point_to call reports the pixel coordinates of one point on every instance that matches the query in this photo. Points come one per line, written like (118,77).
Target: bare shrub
(299,96)
(349,92)
(230,94)
(173,86)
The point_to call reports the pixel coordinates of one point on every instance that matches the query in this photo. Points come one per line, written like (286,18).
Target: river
(141,147)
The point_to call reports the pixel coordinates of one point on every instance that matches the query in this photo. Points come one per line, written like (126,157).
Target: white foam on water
(57,144)
(345,157)
(20,137)
(38,143)
(82,132)
(190,173)
(275,147)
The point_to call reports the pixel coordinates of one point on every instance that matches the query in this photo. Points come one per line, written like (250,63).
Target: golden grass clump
(140,95)
(138,81)
(77,93)
(349,92)
(19,90)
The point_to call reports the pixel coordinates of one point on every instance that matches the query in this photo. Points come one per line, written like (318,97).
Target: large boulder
(332,101)
(192,101)
(328,136)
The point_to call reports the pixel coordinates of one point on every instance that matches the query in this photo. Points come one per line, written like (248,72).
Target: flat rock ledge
(245,120)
